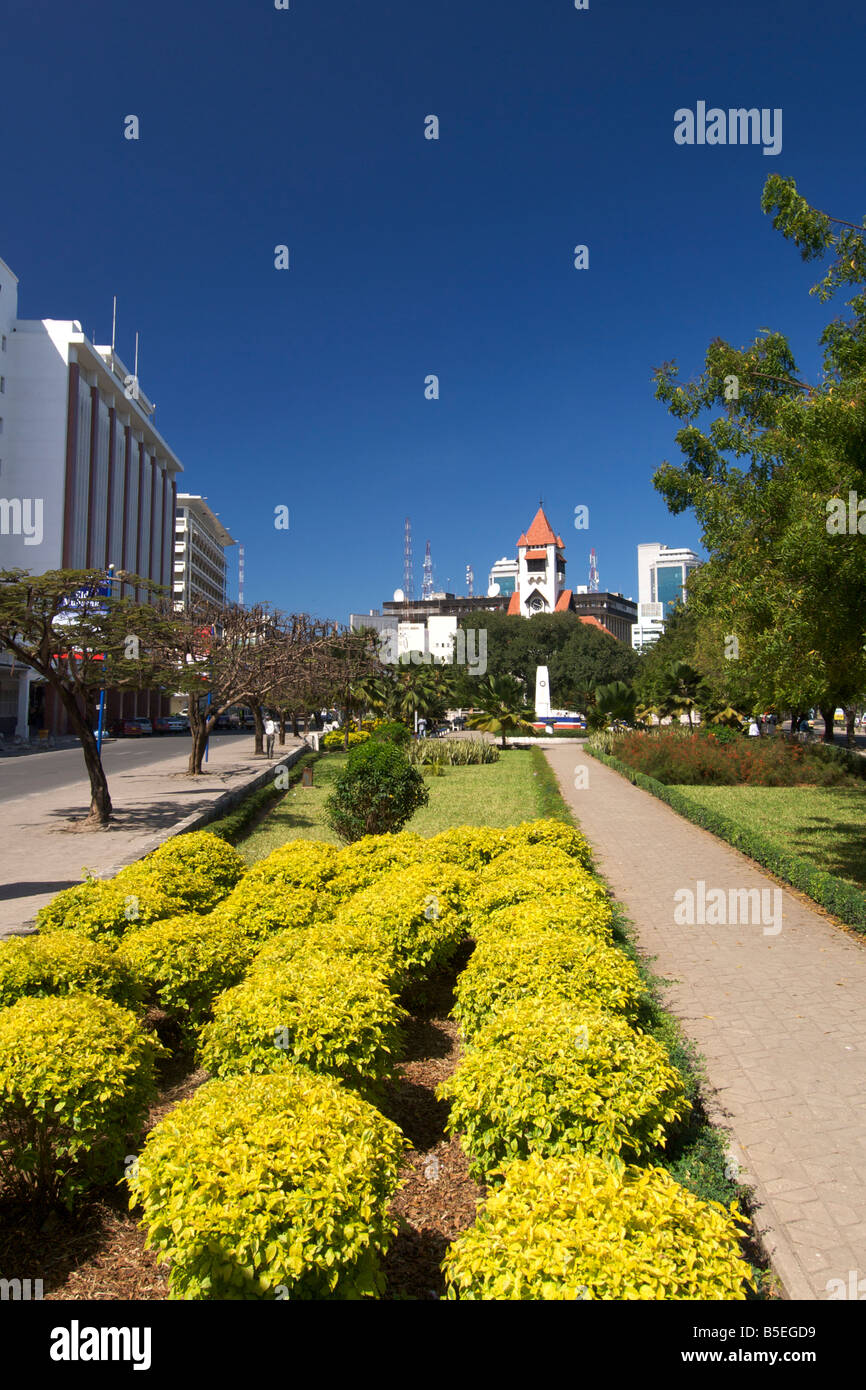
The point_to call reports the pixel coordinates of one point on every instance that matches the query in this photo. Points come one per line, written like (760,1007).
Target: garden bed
(392,968)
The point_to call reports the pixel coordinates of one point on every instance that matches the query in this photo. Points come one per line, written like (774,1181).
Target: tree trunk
(260,728)
(850,716)
(199,743)
(295,724)
(100,801)
(827,716)
(282,718)
(348,720)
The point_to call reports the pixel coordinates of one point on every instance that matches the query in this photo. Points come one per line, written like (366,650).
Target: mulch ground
(99,1252)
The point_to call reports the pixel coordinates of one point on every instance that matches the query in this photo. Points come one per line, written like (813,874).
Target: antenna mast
(470,581)
(408,589)
(593,572)
(241,575)
(427,584)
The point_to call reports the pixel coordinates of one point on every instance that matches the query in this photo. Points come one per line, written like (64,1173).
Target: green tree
(81,641)
(767,478)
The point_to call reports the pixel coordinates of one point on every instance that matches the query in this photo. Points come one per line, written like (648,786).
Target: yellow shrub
(332,1014)
(572,1228)
(307,864)
(363,939)
(420,908)
(103,908)
(553,834)
(363,863)
(519,883)
(64,962)
(468,846)
(548,1076)
(586,912)
(266,1187)
(183,963)
(571,966)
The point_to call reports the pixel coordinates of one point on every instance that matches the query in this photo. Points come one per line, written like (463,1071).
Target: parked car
(170,724)
(132,728)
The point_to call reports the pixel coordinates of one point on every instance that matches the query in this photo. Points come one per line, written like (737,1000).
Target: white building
(200,541)
(503,577)
(86,480)
(662,583)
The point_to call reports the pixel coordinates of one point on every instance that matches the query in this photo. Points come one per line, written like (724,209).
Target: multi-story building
(503,577)
(662,582)
(86,479)
(614,612)
(200,542)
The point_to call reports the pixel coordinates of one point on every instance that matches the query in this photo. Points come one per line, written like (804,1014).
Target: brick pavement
(778,1018)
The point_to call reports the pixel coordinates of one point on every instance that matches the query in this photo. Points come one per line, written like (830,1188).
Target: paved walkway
(778,1018)
(41,851)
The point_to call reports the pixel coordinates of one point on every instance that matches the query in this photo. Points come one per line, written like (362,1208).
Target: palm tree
(679,689)
(612,702)
(499,707)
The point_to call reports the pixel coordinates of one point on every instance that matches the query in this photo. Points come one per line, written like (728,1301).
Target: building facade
(503,577)
(86,480)
(663,574)
(200,542)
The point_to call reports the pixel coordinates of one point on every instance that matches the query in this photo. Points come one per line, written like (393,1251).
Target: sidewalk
(40,854)
(778,1019)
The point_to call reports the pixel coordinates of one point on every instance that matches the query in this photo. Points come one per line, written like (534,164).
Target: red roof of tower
(540,532)
(514,604)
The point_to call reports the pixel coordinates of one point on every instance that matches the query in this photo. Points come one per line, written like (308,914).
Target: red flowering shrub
(682,758)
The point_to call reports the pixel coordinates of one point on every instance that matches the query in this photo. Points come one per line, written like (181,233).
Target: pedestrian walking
(270,735)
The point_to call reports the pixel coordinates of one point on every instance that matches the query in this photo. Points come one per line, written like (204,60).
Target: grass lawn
(502,793)
(826,825)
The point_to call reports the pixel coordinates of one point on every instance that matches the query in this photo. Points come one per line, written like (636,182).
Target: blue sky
(305,388)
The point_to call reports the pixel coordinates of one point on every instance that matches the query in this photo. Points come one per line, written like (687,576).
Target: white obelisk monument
(542,693)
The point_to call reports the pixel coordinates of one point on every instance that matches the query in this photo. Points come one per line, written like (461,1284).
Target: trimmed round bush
(363,863)
(588,913)
(64,962)
(307,864)
(580,968)
(331,1014)
(76,1077)
(526,882)
(552,834)
(183,963)
(105,908)
(469,846)
(548,1076)
(378,790)
(571,1228)
(363,939)
(199,869)
(420,908)
(258,908)
(264,1187)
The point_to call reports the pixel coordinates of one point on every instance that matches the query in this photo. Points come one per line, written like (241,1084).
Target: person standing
(754,731)
(270,735)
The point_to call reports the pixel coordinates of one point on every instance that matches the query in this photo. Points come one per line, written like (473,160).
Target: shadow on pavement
(26,890)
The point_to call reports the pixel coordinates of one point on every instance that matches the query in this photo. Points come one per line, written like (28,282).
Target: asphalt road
(31,773)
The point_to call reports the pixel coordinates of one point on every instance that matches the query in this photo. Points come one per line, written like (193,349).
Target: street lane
(31,773)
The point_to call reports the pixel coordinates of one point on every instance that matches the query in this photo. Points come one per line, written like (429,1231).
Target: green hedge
(842,899)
